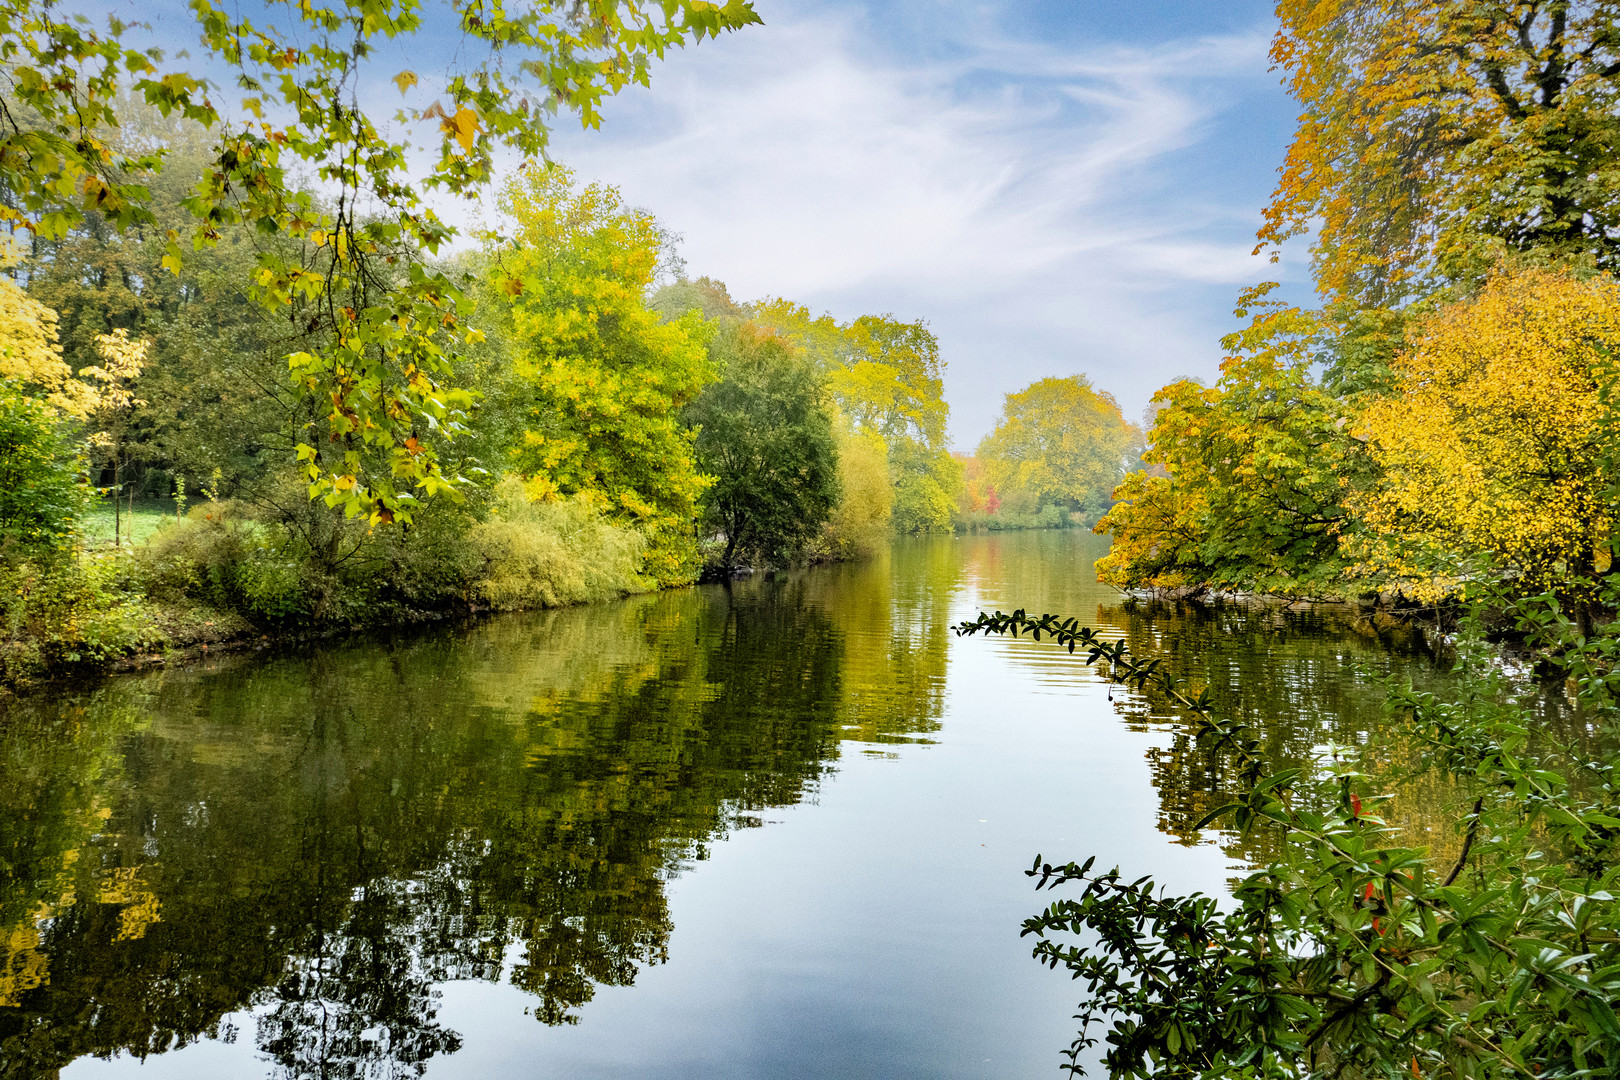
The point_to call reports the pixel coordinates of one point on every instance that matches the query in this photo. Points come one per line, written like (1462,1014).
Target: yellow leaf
(405,80)
(464,126)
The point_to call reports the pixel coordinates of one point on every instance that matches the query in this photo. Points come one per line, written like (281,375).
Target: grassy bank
(227,573)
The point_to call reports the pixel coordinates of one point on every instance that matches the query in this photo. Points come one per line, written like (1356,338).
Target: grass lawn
(148,515)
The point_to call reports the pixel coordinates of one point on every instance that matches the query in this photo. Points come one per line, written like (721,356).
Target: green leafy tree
(603,379)
(1058,442)
(765,435)
(384,324)
(886,377)
(41,494)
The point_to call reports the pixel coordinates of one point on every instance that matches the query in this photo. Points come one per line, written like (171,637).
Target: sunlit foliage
(1057,442)
(1257,468)
(608,379)
(30,356)
(1436,133)
(861,519)
(1490,442)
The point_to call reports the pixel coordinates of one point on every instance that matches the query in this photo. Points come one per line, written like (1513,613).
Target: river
(772,830)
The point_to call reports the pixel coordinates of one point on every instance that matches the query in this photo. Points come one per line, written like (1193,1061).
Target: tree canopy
(764,434)
(1438,134)
(607,378)
(382,324)
(1058,442)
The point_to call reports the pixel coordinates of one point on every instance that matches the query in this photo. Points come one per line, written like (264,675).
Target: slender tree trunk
(117,496)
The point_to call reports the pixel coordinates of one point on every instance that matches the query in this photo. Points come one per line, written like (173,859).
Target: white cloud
(1044,210)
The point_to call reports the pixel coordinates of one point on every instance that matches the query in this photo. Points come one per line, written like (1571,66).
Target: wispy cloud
(1048,211)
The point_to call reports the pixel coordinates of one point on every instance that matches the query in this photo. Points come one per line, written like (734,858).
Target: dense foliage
(41,496)
(1438,134)
(382,325)
(1058,442)
(764,434)
(1439,424)
(602,380)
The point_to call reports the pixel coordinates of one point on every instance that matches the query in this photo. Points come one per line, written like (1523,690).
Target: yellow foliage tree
(30,354)
(1491,443)
(1435,133)
(608,378)
(861,520)
(1059,441)
(110,404)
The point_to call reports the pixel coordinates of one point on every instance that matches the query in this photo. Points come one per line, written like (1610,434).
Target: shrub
(546,554)
(216,556)
(64,612)
(41,494)
(1353,954)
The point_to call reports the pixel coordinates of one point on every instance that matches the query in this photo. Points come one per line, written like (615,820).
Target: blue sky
(1057,186)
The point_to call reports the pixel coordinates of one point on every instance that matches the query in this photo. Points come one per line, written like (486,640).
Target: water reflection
(320,842)
(326,838)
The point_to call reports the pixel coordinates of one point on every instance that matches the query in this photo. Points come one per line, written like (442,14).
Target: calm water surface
(776,830)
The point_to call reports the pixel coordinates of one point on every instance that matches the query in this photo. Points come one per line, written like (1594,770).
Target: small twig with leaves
(1347,956)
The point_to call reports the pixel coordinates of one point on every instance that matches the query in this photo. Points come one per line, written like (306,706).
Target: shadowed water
(775,830)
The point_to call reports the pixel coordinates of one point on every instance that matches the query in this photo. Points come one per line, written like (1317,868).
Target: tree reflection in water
(325,839)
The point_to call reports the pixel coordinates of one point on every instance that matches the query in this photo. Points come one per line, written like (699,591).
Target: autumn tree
(603,380)
(862,520)
(1437,134)
(1058,442)
(765,435)
(30,350)
(384,323)
(1258,467)
(1492,442)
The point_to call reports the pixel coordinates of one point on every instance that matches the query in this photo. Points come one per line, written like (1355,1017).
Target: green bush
(551,553)
(62,613)
(1048,517)
(217,556)
(42,497)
